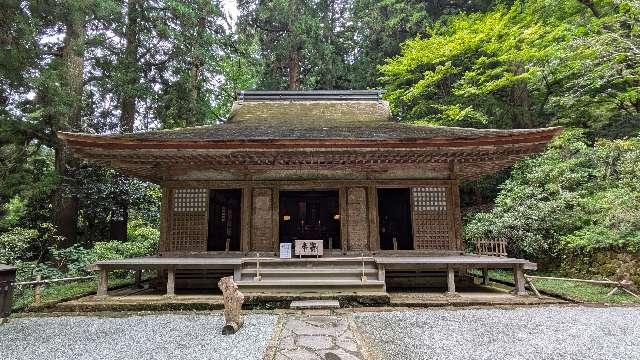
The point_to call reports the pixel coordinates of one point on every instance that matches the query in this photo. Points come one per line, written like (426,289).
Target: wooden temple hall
(312,192)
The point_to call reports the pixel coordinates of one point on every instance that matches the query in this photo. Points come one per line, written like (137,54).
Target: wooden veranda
(259,267)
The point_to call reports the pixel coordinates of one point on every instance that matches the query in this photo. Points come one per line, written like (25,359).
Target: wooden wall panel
(357,219)
(262,220)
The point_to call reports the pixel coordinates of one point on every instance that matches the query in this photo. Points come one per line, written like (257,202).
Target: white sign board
(309,247)
(285,251)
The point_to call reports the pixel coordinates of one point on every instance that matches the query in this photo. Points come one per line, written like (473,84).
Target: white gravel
(134,337)
(522,333)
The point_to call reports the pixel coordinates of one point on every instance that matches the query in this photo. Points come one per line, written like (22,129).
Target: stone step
(314,304)
(309,271)
(306,262)
(307,285)
(363,296)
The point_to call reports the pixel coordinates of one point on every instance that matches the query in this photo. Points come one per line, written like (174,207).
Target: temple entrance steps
(322,276)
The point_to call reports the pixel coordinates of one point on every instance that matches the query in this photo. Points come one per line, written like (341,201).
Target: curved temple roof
(383,146)
(310,131)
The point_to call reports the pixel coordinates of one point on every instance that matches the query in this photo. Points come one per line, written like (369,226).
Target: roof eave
(114,142)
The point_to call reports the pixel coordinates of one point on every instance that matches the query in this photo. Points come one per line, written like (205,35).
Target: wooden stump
(233,300)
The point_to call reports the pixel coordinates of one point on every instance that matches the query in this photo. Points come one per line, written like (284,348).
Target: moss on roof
(315,113)
(347,130)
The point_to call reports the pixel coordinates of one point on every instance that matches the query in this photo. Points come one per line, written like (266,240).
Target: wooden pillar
(372,202)
(344,218)
(103,280)
(171,282)
(485,276)
(275,218)
(165,220)
(451,280)
(137,275)
(245,209)
(518,274)
(456,217)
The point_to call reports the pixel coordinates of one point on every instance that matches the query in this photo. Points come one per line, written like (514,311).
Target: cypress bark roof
(274,130)
(323,131)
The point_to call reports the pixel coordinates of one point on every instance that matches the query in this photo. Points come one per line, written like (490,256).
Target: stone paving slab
(318,338)
(315,304)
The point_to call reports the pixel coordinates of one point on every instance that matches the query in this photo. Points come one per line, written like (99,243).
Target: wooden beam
(301,184)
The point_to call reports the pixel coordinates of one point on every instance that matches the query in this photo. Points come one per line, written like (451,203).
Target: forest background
(108,66)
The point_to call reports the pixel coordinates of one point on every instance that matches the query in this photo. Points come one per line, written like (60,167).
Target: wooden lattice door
(189,220)
(432,224)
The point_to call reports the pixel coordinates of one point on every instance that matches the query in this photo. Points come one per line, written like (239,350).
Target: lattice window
(431,222)
(190,200)
(189,228)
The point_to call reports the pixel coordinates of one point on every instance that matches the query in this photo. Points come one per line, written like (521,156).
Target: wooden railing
(39,284)
(491,247)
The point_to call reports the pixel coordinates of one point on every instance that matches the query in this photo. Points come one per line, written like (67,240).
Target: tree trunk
(520,101)
(294,69)
(66,216)
(195,72)
(592,6)
(128,101)
(120,212)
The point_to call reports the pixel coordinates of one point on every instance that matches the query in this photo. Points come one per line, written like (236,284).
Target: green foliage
(142,241)
(573,199)
(521,66)
(14,244)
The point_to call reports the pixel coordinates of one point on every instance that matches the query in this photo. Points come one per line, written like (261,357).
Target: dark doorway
(394,210)
(224,220)
(310,215)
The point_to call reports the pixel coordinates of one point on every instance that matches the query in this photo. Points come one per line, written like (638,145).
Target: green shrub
(573,201)
(142,241)
(15,243)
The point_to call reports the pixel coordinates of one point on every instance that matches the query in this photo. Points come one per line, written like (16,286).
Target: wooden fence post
(37,291)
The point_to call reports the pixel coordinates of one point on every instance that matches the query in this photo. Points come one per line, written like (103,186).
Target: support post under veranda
(103,280)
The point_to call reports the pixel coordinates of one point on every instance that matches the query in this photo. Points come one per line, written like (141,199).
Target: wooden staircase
(311,278)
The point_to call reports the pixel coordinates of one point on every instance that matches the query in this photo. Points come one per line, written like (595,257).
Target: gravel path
(524,333)
(135,337)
